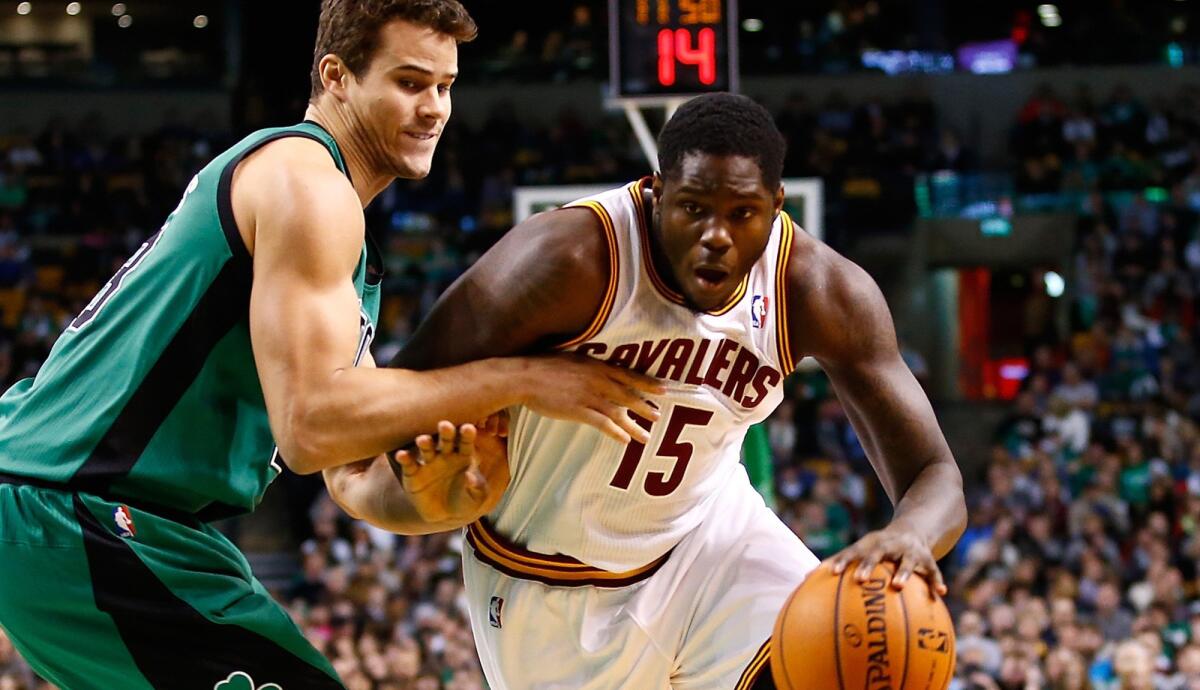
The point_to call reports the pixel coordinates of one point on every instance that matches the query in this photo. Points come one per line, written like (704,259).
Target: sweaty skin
(544,281)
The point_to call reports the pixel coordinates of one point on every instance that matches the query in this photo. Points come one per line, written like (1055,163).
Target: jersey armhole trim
(782,340)
(614,269)
(229,226)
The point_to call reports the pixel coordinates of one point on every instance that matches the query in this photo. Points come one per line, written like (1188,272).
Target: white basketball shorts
(697,620)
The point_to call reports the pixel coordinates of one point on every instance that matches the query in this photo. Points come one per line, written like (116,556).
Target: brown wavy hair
(350,28)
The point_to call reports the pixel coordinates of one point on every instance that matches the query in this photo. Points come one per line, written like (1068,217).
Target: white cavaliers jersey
(575,492)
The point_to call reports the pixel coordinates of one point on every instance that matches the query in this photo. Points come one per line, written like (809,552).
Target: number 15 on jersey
(671,446)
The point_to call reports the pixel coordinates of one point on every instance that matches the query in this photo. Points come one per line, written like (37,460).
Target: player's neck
(368,178)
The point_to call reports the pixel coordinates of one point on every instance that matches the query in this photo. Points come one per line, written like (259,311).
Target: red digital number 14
(660,483)
(675,45)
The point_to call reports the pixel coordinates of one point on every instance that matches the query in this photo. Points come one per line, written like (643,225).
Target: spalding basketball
(835,634)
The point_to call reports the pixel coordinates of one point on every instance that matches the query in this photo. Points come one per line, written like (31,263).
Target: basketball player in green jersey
(235,329)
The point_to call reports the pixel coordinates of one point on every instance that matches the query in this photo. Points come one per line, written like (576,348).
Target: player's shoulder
(290,196)
(817,272)
(830,292)
(296,176)
(571,238)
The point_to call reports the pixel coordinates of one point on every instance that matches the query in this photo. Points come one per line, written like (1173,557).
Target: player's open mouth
(710,277)
(422,136)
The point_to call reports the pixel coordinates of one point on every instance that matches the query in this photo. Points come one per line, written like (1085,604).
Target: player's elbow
(302,444)
(957,513)
(301,457)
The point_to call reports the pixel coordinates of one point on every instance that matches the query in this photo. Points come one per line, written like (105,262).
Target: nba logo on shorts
(494,610)
(758,311)
(124,522)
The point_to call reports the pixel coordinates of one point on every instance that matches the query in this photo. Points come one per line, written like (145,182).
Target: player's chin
(707,302)
(413,167)
(708,296)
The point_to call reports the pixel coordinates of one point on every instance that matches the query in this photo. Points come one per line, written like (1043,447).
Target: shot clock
(672,48)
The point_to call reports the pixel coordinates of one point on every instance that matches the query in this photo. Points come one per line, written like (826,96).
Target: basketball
(835,633)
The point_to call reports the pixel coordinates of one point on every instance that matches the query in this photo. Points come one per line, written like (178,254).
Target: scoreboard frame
(699,45)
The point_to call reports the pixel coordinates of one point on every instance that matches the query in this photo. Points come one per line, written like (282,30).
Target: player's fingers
(867,566)
(937,583)
(838,562)
(637,380)
(629,424)
(625,395)
(605,424)
(645,409)
(502,424)
(447,435)
(408,464)
(466,440)
(425,446)
(903,571)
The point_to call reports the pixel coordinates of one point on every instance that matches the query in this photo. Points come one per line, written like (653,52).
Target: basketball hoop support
(637,120)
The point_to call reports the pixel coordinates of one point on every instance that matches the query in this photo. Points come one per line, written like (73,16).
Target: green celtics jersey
(152,393)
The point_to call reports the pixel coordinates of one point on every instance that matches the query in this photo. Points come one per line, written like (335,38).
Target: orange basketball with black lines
(837,634)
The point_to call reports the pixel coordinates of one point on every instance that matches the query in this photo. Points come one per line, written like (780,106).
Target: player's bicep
(303,306)
(541,283)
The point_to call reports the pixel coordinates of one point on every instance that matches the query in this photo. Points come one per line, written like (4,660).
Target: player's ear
(656,187)
(334,75)
(779,196)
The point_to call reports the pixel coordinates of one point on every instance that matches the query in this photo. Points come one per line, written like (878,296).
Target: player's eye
(744,213)
(690,208)
(443,88)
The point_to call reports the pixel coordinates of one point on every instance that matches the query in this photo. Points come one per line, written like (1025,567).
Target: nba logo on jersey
(124,522)
(758,311)
(494,610)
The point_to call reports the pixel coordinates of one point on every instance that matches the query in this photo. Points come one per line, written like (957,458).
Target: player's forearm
(363,412)
(376,496)
(934,508)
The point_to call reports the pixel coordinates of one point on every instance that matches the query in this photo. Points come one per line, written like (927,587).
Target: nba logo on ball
(124,522)
(758,311)
(494,610)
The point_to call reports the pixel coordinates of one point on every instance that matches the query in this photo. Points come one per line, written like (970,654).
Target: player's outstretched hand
(460,475)
(905,549)
(585,390)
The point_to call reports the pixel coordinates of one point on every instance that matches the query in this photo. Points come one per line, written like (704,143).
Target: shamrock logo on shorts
(242,681)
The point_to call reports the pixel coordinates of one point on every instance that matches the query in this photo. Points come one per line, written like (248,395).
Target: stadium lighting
(118,9)
(24,8)
(74,8)
(200,21)
(752,25)
(1047,10)
(125,21)
(1053,22)
(1055,285)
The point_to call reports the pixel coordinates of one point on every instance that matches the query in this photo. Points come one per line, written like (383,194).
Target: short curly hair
(350,28)
(723,124)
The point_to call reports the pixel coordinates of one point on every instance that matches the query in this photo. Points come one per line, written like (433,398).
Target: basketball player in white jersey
(654,566)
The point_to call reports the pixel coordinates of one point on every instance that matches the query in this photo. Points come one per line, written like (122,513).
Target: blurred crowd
(1079,566)
(1110,142)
